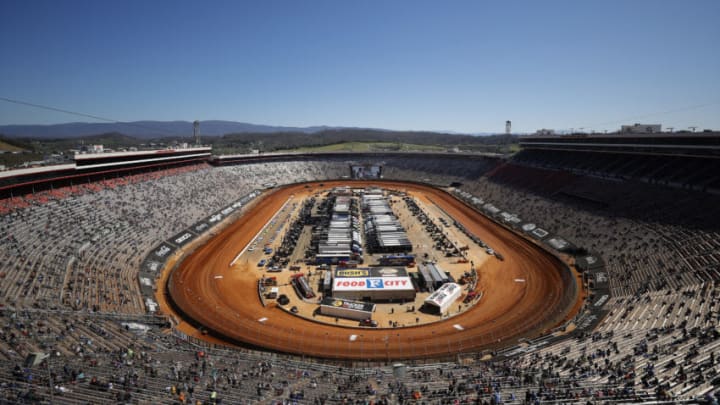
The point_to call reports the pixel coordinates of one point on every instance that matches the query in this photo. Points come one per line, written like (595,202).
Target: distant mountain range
(168,129)
(146,129)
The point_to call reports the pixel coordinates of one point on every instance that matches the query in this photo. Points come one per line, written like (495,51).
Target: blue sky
(463,66)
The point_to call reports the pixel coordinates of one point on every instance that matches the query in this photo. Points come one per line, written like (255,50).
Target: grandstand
(687,161)
(72,255)
(92,167)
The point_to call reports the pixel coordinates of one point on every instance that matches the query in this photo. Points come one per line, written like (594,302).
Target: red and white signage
(372,283)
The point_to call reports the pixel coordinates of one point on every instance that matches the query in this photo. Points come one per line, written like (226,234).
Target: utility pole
(196,132)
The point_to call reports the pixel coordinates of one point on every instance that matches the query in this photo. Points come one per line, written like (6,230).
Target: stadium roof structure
(674,144)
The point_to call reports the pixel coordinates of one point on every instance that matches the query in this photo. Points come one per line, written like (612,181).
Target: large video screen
(366,171)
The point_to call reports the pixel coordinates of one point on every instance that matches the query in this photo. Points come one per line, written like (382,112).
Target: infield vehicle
(302,285)
(270,281)
(470,297)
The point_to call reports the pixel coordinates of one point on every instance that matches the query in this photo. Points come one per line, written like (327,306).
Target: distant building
(641,128)
(544,131)
(97,149)
(508,127)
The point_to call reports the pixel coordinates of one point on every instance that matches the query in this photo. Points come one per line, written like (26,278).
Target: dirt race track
(522,294)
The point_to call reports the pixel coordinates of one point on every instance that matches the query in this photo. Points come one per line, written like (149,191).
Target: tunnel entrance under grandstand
(366,171)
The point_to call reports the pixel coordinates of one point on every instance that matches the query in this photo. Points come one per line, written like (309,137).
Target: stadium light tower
(508,127)
(196,132)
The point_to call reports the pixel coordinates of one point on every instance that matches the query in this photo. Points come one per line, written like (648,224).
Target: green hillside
(368,147)
(6,147)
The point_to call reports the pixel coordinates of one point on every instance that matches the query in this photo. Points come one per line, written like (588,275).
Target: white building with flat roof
(641,128)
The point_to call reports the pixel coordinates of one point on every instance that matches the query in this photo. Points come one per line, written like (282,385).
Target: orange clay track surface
(230,308)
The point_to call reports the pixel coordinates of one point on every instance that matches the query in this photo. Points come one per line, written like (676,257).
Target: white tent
(443,297)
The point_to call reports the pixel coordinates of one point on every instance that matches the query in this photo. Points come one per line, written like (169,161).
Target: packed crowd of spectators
(82,249)
(71,257)
(94,359)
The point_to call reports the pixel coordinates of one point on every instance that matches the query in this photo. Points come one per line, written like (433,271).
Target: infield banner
(372,283)
(182,239)
(371,272)
(163,251)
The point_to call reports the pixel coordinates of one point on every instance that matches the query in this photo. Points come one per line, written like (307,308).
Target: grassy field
(10,160)
(6,147)
(369,147)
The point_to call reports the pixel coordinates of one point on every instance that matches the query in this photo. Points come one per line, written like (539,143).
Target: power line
(81,114)
(45,107)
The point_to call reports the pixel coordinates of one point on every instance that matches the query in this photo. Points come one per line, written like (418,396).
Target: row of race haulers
(340,241)
(401,260)
(346,262)
(385,234)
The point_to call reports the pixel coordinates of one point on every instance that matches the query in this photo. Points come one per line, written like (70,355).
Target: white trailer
(346,309)
(273,294)
(443,297)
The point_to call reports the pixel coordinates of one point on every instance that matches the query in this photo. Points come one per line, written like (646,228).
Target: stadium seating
(71,256)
